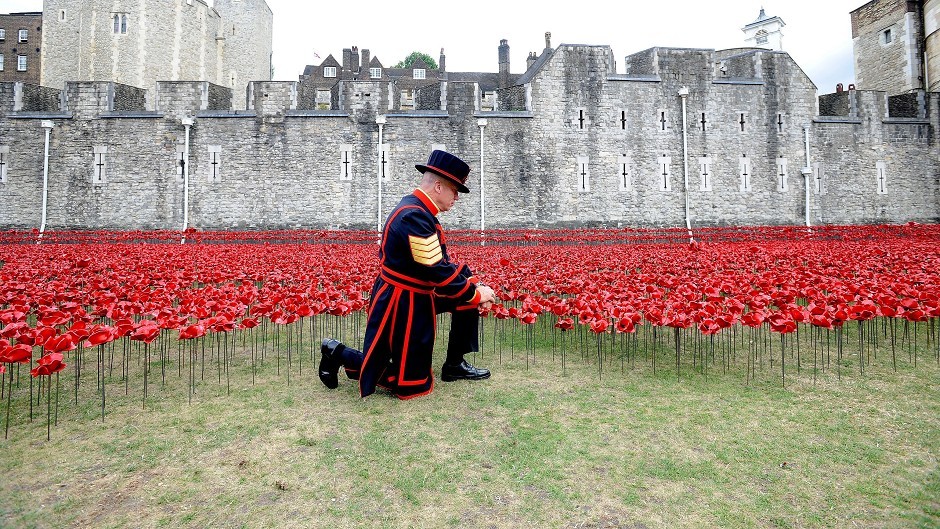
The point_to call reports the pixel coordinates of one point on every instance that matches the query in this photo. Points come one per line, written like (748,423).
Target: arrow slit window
(705,173)
(99,169)
(583,174)
(345,162)
(214,164)
(664,173)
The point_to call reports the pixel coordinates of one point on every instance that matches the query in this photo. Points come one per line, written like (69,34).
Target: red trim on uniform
(405,277)
(373,299)
(404,352)
(427,201)
(423,393)
(388,224)
(403,286)
(365,359)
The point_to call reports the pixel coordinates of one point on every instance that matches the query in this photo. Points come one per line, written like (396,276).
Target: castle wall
(561,163)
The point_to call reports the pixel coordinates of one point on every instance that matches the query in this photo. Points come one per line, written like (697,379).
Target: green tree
(415,55)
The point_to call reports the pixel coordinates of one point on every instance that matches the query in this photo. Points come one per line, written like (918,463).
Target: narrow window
(384,165)
(99,170)
(782,175)
(3,34)
(62,15)
(123,24)
(584,174)
(21,63)
(745,173)
(4,162)
(887,37)
(623,120)
(117,23)
(881,178)
(24,35)
(624,173)
(664,173)
(345,162)
(705,173)
(214,171)
(704,122)
(1,62)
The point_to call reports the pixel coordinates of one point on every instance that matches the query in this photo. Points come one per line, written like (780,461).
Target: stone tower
(886,41)
(140,42)
(932,44)
(765,32)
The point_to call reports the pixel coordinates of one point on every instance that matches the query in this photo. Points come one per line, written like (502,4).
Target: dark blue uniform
(417,281)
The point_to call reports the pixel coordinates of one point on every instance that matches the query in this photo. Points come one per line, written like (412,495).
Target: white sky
(817,33)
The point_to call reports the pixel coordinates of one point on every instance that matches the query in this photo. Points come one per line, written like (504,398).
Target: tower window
(761,37)
(120,23)
(887,37)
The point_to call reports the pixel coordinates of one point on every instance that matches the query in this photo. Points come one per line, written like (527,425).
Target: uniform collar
(427,201)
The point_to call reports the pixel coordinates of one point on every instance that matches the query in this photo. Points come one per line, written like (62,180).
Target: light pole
(380,121)
(684,94)
(482,124)
(47,126)
(187,123)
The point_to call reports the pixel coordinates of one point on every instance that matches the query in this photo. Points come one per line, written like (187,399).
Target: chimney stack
(440,62)
(503,63)
(347,58)
(355,59)
(548,40)
(366,58)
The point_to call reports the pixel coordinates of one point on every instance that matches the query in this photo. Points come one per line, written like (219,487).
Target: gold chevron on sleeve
(426,250)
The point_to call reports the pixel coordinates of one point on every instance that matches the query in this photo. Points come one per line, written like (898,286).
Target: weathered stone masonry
(584,146)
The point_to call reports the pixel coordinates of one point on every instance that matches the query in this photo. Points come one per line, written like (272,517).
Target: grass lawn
(534,446)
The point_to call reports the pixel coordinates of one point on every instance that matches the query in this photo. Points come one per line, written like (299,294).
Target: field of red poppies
(98,305)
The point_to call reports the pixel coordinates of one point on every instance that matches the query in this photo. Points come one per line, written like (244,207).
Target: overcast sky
(817,33)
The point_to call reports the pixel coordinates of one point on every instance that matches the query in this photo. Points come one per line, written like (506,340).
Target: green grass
(534,446)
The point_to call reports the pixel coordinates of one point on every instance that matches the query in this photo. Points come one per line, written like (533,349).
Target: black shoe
(463,371)
(330,359)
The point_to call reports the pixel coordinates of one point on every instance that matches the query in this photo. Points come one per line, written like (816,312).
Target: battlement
(858,104)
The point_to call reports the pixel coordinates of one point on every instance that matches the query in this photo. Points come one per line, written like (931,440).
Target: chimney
(531,60)
(548,40)
(355,59)
(503,63)
(440,62)
(347,58)
(366,58)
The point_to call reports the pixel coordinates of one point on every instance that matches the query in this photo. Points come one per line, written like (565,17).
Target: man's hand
(486,295)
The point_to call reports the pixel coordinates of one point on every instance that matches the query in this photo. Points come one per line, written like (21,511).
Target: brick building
(20,50)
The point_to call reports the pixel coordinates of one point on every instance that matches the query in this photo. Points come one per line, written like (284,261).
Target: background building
(20,50)
(140,42)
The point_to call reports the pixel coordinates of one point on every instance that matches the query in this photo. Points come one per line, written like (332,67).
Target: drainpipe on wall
(47,126)
(380,121)
(482,124)
(684,93)
(807,171)
(187,122)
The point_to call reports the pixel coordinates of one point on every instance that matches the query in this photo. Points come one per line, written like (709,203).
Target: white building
(765,32)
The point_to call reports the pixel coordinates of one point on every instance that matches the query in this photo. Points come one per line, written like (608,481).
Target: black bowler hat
(448,166)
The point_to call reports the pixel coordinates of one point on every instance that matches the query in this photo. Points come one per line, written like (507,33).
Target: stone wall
(591,151)
(39,98)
